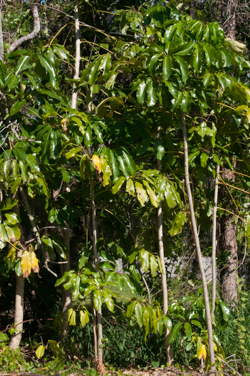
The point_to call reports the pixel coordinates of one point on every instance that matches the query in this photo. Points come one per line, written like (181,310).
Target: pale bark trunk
(78,54)
(31,35)
(66,294)
(214,240)
(198,248)
(164,283)
(96,261)
(229,12)
(1,37)
(229,275)
(19,311)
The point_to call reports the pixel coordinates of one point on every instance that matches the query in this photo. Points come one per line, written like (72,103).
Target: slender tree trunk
(164,283)
(214,240)
(19,312)
(169,353)
(229,275)
(78,54)
(198,248)
(67,294)
(1,36)
(229,15)
(101,367)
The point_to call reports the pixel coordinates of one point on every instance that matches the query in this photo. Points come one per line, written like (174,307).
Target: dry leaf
(97,163)
(203,352)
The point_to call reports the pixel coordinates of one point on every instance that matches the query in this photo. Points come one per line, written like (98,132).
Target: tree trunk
(229,15)
(169,353)
(198,248)
(170,358)
(19,311)
(100,366)
(229,274)
(214,240)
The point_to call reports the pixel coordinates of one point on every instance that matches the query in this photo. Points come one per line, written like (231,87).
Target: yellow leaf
(97,163)
(12,254)
(25,264)
(202,353)
(34,262)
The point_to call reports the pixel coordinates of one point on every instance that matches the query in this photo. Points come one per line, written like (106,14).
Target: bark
(229,13)
(170,358)
(77,56)
(1,38)
(214,240)
(31,35)
(96,261)
(19,311)
(229,275)
(198,248)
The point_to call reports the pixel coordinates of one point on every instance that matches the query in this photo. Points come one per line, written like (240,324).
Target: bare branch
(31,35)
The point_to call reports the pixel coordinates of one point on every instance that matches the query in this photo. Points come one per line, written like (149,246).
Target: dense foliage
(86,186)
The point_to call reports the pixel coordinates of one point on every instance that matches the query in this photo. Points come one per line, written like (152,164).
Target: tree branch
(31,35)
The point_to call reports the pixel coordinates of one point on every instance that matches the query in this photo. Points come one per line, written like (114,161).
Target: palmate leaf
(97,299)
(153,198)
(177,224)
(84,317)
(29,261)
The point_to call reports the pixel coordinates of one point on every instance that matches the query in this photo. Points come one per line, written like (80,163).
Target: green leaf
(97,299)
(151,95)
(12,218)
(188,329)
(153,198)
(204,157)
(184,49)
(141,92)
(192,156)
(3,236)
(93,72)
(32,163)
(183,67)
(73,152)
(130,189)
(174,334)
(49,68)
(17,107)
(177,224)
(20,154)
(166,68)
(130,163)
(71,317)
(138,314)
(40,351)
(84,317)
(197,58)
(167,322)
(97,132)
(186,102)
(144,256)
(119,182)
(197,323)
(145,317)
(141,193)
(207,79)
(225,311)
(123,166)
(114,165)
(88,137)
(8,204)
(153,265)
(153,61)
(130,309)
(209,53)
(13,233)
(108,300)
(22,64)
